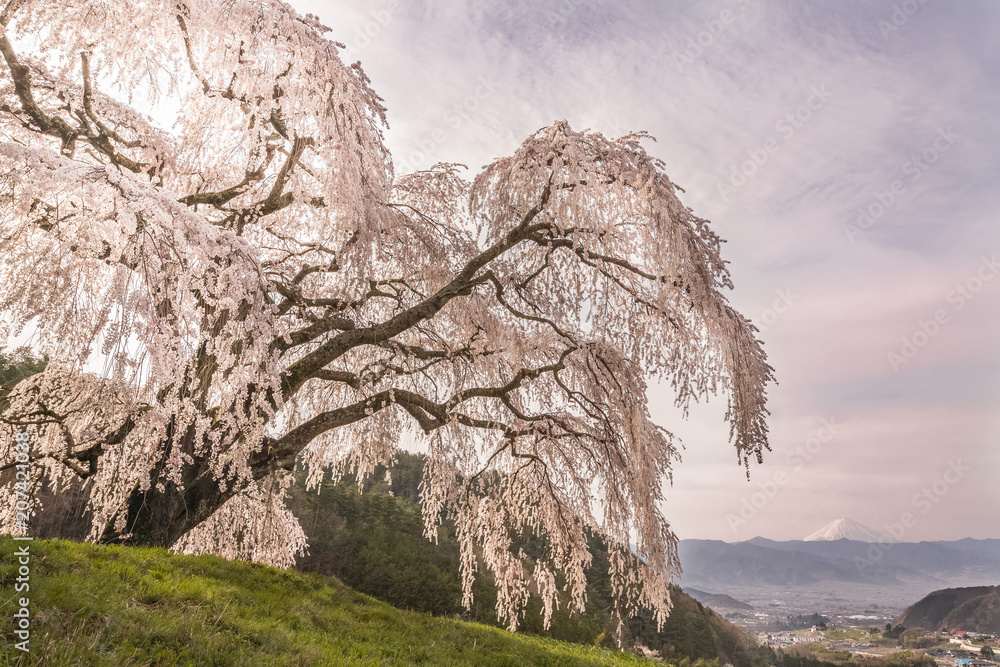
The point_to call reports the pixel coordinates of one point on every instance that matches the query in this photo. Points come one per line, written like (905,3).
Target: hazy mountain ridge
(762,562)
(713,563)
(988,548)
(716,600)
(937,560)
(974,609)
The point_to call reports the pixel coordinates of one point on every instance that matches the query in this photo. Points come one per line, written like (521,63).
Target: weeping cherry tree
(201,227)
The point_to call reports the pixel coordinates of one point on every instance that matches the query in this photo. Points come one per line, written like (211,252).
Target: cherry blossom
(198,194)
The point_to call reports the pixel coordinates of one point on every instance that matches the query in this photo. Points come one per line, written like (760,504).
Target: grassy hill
(100,605)
(975,609)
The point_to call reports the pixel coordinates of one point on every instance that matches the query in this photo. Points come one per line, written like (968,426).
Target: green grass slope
(100,605)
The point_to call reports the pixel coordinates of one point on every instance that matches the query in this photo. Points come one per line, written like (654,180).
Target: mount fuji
(842,529)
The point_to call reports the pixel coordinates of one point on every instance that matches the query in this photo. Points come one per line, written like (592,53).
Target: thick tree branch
(56,126)
(461,284)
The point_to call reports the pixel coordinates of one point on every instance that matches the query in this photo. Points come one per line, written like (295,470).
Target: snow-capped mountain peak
(845,529)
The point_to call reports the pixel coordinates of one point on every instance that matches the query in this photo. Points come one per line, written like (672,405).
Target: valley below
(843,604)
(849,582)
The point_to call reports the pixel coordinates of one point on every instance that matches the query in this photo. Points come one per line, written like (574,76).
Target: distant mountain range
(975,609)
(717,565)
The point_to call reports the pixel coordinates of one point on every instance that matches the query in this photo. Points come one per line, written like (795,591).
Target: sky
(849,154)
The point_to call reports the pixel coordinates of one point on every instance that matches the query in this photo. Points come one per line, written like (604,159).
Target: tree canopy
(199,195)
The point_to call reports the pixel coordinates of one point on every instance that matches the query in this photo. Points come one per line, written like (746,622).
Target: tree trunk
(163,513)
